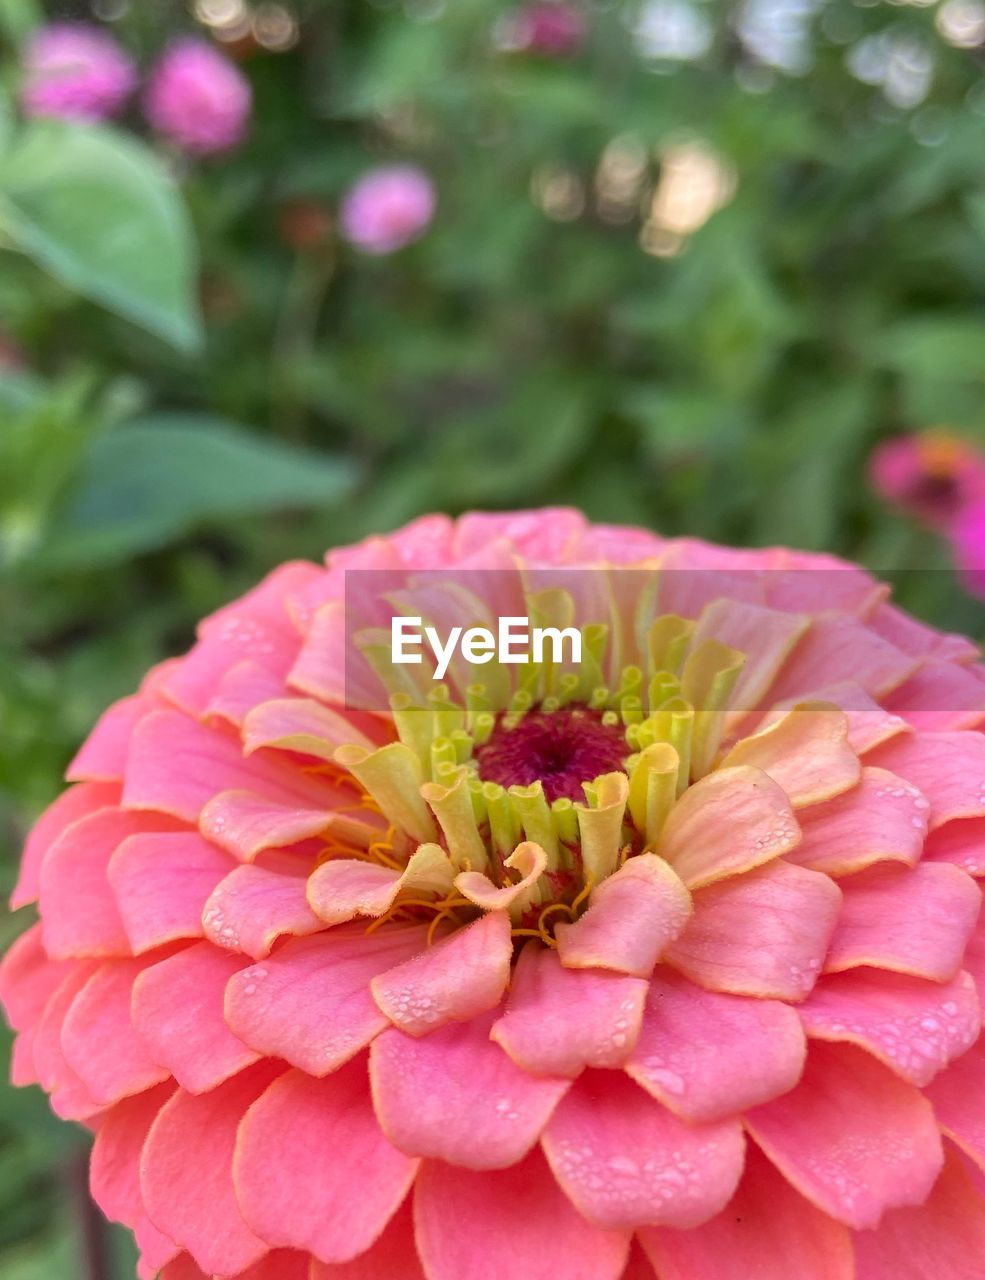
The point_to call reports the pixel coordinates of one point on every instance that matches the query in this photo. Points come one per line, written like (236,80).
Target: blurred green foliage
(201,379)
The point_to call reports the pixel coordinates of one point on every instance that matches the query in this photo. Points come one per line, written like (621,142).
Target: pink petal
(806,752)
(943,1238)
(79,912)
(728,822)
(915,637)
(764,934)
(528,859)
(103,755)
(851,1137)
(178,1010)
(192,1200)
(242,688)
(77,802)
(392,1257)
(938,902)
(559,1020)
(310,1003)
(961,842)
(959,1102)
(765,636)
(245,824)
(462,976)
(99,1040)
(161,882)
(301,725)
(70,1099)
(344,888)
(884,819)
(947,767)
(940,695)
(869,723)
(707,1056)
(632,918)
(914,1027)
(765,1230)
(313,1169)
(28,978)
(512,1222)
(254,906)
(455,1095)
(177,765)
(114,1171)
(624,1160)
(839,647)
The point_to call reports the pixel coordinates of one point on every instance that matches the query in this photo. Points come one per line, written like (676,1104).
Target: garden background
(690,264)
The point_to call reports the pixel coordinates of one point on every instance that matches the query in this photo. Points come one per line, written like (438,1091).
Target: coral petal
(392,1257)
(839,647)
(806,752)
(883,819)
(99,1040)
(178,1011)
(625,1160)
(464,975)
(310,1003)
(943,1237)
(314,1171)
(948,768)
(254,906)
(915,1027)
(29,978)
(959,1102)
(78,802)
(728,822)
(192,1200)
(961,843)
(510,1222)
(851,1137)
(344,888)
(455,1095)
(764,934)
(707,1056)
(765,1226)
(114,1170)
(559,1021)
(939,903)
(161,881)
(632,917)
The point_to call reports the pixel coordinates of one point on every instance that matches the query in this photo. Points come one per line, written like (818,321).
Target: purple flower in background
(198,99)
(387,208)
(74,71)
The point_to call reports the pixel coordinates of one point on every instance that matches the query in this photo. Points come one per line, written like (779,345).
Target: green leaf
(153,481)
(97,210)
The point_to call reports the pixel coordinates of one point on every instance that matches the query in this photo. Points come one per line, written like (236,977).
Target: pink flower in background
(75,72)
(553,28)
(933,475)
(347,995)
(968,540)
(388,208)
(198,99)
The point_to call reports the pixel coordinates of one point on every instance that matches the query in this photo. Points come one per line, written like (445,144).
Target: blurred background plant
(274,275)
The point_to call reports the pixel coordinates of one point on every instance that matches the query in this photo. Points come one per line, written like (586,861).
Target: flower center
(561,749)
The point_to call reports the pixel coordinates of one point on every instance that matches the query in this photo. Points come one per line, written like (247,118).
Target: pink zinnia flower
(75,72)
(666,963)
(198,99)
(932,476)
(388,208)
(968,542)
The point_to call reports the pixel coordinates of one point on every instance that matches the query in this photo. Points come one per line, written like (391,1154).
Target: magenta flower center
(560,749)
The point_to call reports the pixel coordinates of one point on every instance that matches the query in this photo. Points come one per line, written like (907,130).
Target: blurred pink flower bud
(552,28)
(74,71)
(387,208)
(198,99)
